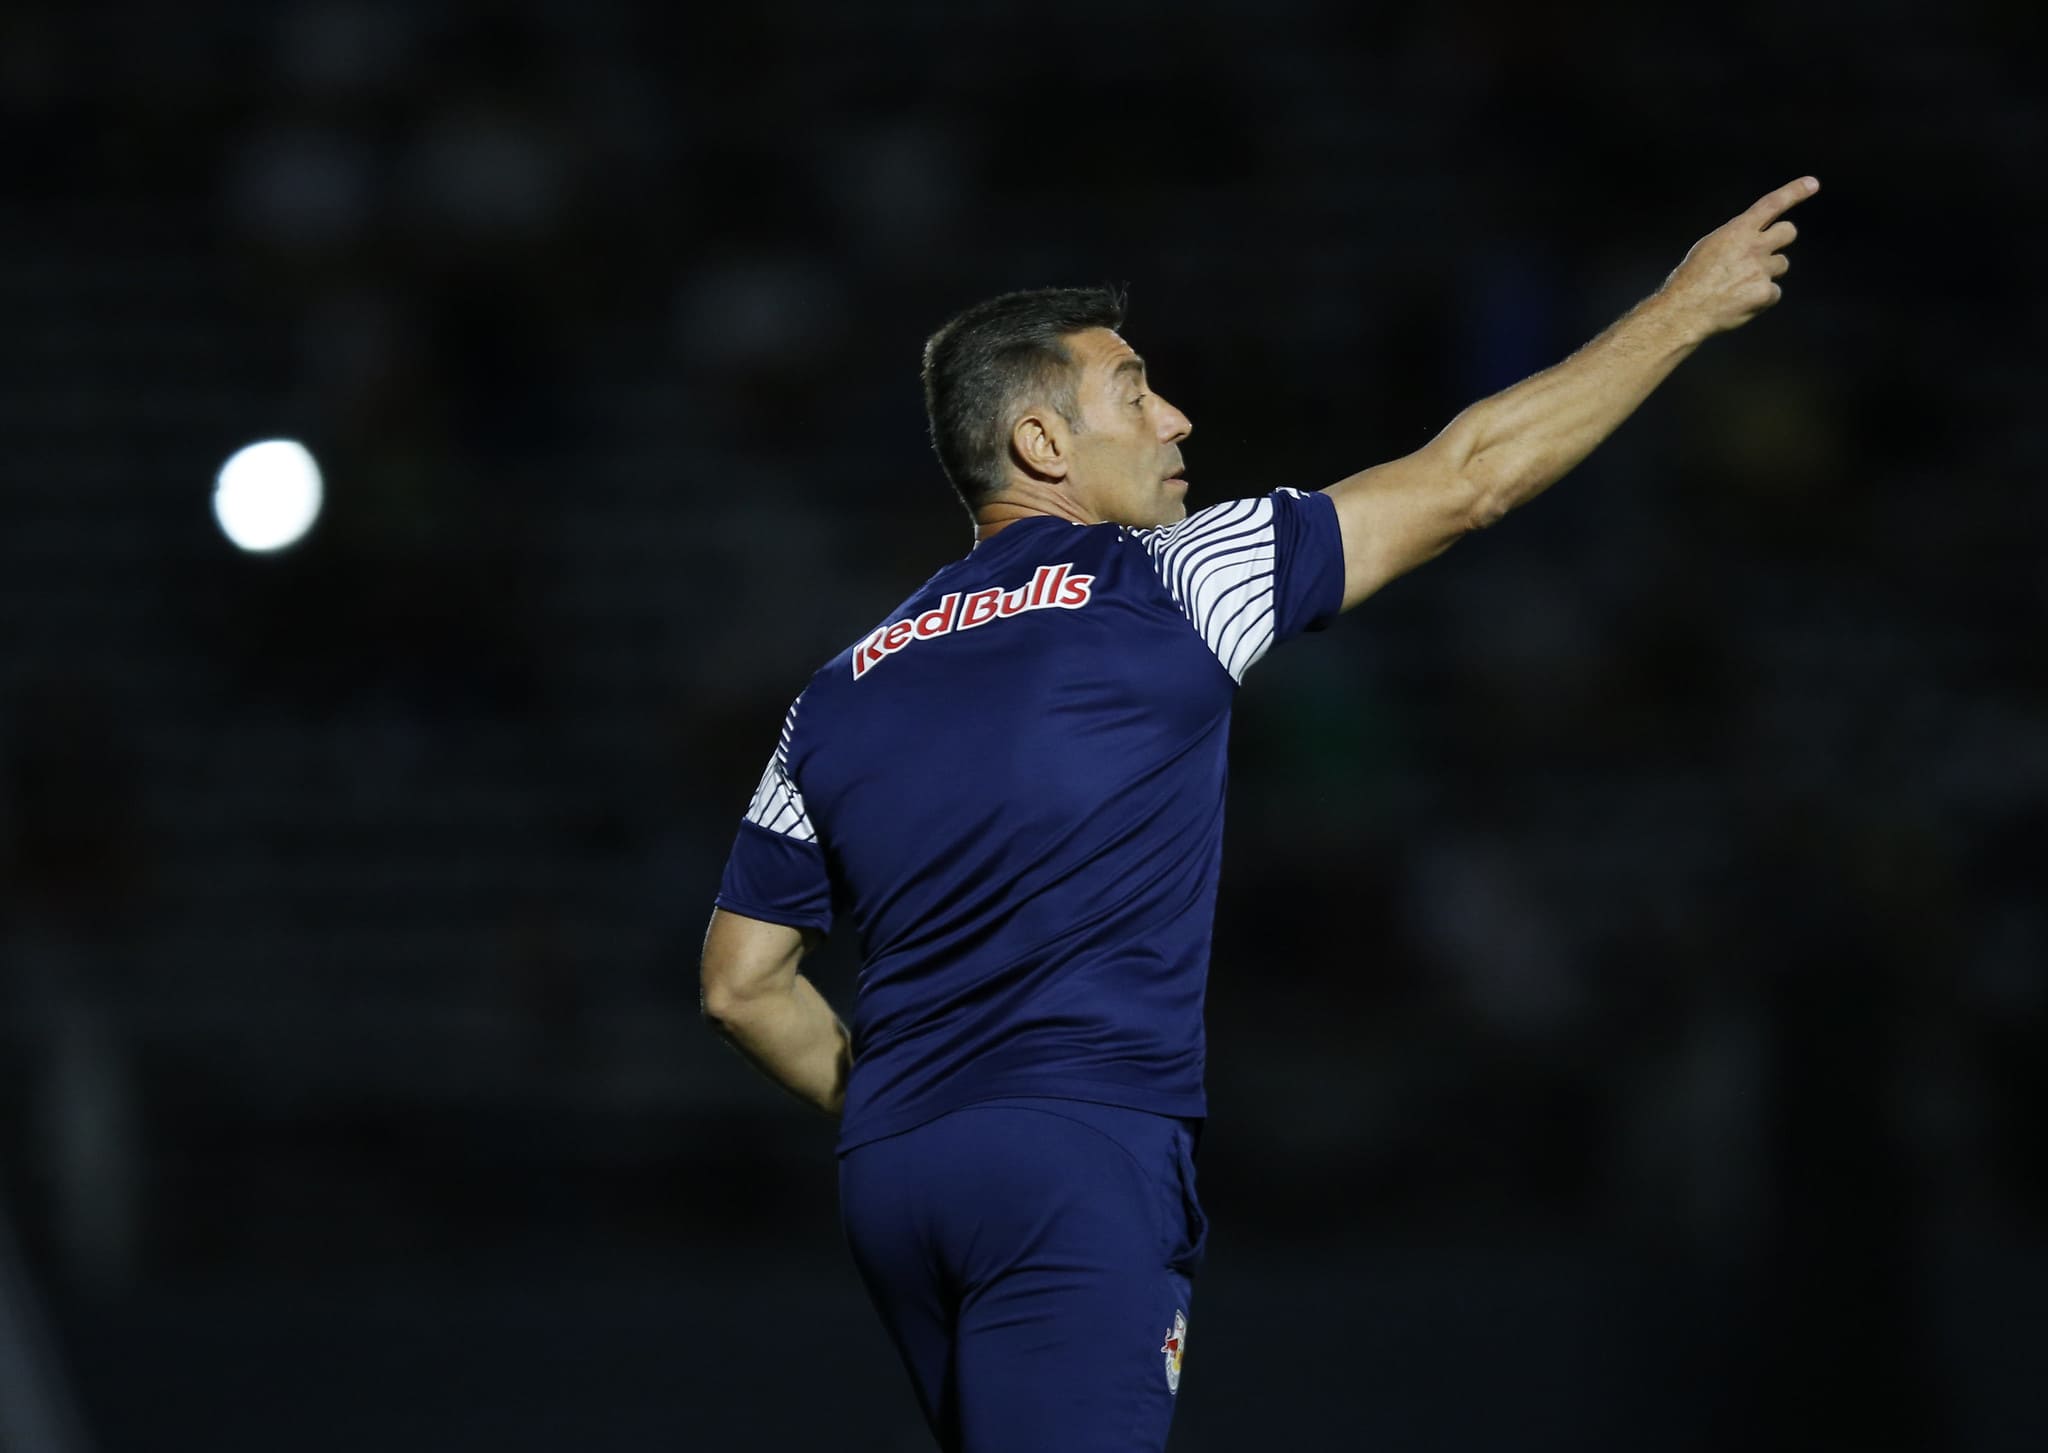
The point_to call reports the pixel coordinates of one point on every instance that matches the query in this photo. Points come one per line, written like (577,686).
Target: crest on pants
(1176,1344)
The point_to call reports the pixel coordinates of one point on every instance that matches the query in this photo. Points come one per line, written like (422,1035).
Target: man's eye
(1137,401)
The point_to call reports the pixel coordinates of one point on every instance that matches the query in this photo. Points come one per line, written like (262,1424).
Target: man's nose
(1178,425)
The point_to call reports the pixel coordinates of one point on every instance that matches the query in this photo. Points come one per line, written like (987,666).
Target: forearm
(1516,444)
(794,1038)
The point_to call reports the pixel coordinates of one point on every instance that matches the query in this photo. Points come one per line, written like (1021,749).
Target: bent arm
(1505,450)
(764,1008)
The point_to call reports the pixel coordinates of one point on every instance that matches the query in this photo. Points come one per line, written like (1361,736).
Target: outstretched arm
(771,1013)
(1507,449)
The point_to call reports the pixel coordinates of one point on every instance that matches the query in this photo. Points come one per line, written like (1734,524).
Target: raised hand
(1732,273)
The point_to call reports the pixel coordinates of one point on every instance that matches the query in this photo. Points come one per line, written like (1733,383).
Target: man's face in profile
(1126,455)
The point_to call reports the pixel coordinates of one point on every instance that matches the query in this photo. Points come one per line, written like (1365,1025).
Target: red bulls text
(1051,588)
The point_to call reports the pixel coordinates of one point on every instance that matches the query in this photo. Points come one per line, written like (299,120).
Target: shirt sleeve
(1250,573)
(776,871)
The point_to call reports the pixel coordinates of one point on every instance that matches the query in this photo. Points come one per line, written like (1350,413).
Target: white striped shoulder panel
(777,804)
(1218,565)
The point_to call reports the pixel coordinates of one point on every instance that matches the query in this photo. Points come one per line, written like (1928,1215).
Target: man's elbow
(1487,509)
(744,964)
(1485,493)
(721,999)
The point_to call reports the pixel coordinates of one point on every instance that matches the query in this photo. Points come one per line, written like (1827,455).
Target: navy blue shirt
(1013,790)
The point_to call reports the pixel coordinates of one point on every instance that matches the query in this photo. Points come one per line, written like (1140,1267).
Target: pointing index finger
(1769,207)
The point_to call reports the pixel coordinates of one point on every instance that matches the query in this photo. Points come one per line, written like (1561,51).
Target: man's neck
(1026,502)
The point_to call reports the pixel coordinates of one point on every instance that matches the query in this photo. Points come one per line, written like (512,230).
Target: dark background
(1630,977)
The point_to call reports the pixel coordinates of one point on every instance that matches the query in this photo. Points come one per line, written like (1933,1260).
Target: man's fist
(1732,273)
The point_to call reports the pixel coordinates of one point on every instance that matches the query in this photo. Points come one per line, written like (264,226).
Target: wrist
(1673,319)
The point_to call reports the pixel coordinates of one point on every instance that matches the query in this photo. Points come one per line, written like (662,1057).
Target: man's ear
(1038,443)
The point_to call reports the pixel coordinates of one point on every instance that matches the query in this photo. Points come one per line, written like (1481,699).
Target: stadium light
(267,495)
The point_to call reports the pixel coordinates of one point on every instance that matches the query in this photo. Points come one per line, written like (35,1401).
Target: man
(1013,788)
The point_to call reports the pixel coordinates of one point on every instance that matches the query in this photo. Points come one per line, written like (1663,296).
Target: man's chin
(1170,513)
(1167,509)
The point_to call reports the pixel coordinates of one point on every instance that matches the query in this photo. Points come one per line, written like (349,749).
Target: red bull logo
(1051,587)
(1176,1344)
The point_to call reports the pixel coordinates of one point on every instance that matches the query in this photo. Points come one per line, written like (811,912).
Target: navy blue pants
(1032,1260)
